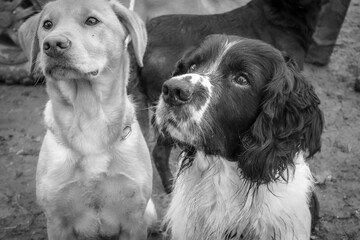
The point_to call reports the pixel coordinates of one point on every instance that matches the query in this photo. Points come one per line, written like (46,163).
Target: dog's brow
(223,50)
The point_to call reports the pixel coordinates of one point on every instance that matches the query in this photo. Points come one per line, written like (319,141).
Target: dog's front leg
(57,232)
(161,156)
(134,234)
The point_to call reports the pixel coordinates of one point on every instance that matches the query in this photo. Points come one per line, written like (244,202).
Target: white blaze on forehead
(225,48)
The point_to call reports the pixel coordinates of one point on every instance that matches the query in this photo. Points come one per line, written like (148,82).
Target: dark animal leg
(314,206)
(161,154)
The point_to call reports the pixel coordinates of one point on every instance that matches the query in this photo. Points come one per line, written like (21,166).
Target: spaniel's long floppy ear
(135,26)
(289,121)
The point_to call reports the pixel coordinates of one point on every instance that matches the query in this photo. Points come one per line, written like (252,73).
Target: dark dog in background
(286,24)
(245,119)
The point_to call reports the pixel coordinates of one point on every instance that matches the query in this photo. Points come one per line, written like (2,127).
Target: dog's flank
(247,176)
(94,174)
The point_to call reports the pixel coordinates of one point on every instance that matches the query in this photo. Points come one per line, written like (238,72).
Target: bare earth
(337,167)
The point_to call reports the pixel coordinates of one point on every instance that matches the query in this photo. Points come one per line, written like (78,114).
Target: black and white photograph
(179,119)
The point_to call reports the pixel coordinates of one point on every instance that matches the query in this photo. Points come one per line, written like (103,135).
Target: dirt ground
(336,168)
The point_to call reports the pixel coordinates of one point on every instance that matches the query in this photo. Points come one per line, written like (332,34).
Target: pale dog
(94,175)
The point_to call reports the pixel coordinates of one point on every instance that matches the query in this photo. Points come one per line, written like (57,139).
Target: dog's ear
(29,40)
(289,121)
(135,26)
(34,50)
(26,35)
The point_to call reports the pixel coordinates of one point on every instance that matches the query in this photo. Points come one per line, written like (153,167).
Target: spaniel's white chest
(212,202)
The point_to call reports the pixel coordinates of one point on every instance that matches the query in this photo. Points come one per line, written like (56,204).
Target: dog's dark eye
(192,68)
(240,80)
(47,25)
(91,21)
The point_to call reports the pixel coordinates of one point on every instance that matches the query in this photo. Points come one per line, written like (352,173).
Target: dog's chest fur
(80,184)
(84,191)
(211,201)
(80,121)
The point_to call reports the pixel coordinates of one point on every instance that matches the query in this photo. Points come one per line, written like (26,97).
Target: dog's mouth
(183,132)
(60,72)
(186,132)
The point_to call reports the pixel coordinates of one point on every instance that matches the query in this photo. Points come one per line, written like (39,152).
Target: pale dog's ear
(135,26)
(29,40)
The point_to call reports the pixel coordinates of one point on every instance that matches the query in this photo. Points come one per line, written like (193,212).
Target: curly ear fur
(289,121)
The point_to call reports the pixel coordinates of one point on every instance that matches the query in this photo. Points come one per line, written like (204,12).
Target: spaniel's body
(244,116)
(94,174)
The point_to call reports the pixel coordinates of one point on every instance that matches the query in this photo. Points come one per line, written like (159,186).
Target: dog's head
(243,100)
(83,38)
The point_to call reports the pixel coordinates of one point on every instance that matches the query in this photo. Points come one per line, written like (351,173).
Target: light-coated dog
(94,175)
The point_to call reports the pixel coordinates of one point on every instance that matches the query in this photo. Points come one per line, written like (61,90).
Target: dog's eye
(47,25)
(240,80)
(192,68)
(91,21)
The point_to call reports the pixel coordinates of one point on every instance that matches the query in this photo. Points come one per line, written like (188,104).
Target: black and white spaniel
(287,25)
(245,117)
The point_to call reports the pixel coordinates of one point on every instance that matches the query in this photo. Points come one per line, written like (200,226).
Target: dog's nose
(177,92)
(56,46)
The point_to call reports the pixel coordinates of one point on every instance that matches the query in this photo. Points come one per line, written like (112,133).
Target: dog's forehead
(213,49)
(212,52)
(77,8)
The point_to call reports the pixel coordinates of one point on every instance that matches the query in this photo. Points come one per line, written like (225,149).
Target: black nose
(176,91)
(56,46)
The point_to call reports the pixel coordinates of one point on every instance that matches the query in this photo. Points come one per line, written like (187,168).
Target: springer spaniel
(286,24)
(245,117)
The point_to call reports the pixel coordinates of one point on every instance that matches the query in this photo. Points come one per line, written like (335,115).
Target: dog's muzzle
(176,92)
(55,46)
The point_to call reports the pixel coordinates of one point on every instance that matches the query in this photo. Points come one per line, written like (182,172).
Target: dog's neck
(99,112)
